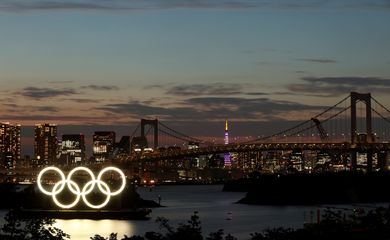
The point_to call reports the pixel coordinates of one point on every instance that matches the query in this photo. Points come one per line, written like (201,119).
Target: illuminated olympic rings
(85,190)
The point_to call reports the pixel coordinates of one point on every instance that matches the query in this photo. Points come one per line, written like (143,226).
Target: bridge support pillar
(369,160)
(154,124)
(353,160)
(366,98)
(382,160)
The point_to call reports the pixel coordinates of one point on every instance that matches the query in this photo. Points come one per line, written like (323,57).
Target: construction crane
(321,130)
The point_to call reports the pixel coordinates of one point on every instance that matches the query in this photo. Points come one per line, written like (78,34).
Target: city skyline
(90,66)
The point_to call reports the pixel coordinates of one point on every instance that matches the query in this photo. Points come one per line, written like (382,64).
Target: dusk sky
(192,64)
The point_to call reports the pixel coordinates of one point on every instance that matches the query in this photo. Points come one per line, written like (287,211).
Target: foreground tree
(16,228)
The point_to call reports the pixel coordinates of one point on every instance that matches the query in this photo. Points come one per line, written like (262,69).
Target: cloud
(39,93)
(83,100)
(155,86)
(317,60)
(62,82)
(53,117)
(245,106)
(336,86)
(214,89)
(369,4)
(212,109)
(46,109)
(119,5)
(137,5)
(32,5)
(10,105)
(208,89)
(256,93)
(139,109)
(100,87)
(22,109)
(350,81)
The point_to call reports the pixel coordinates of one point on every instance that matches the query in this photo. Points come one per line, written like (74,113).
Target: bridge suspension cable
(135,131)
(298,127)
(179,135)
(323,121)
(379,114)
(172,135)
(381,127)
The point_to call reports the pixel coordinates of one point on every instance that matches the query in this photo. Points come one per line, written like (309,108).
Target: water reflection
(215,208)
(81,229)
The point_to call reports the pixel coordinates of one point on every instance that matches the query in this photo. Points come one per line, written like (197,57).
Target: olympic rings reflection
(85,190)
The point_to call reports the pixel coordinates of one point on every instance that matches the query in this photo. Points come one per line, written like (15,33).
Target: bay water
(216,209)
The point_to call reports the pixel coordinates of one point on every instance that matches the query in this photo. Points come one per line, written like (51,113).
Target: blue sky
(110,63)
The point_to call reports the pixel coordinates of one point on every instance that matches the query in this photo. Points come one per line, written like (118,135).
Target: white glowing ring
(74,203)
(62,181)
(70,174)
(99,180)
(81,192)
(84,194)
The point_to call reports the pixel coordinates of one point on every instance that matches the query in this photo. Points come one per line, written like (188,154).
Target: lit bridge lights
(77,190)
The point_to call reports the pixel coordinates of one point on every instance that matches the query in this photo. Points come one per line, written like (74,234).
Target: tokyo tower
(227,157)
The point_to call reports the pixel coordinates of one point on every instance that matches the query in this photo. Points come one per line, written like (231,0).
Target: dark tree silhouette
(16,228)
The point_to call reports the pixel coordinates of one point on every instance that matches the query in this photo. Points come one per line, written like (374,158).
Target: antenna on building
(227,157)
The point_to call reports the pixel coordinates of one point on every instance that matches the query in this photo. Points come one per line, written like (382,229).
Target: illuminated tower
(227,157)
(103,145)
(72,148)
(46,143)
(9,145)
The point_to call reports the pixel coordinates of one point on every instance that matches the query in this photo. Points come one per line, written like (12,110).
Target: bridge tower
(154,124)
(366,98)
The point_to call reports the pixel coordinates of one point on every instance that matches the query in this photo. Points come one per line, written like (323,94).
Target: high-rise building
(46,143)
(72,149)
(123,146)
(227,157)
(9,145)
(103,145)
(194,161)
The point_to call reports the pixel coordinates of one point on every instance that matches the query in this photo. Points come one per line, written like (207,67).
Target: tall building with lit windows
(227,156)
(45,144)
(103,145)
(72,149)
(9,145)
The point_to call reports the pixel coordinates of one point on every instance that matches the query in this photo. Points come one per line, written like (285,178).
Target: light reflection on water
(84,229)
(215,208)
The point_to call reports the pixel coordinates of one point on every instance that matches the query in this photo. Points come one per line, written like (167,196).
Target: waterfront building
(9,145)
(194,161)
(138,144)
(103,145)
(249,161)
(215,160)
(45,144)
(72,149)
(297,160)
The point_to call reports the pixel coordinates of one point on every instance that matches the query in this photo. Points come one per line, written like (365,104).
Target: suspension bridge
(356,124)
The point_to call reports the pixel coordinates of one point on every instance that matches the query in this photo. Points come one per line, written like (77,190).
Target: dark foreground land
(311,189)
(373,224)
